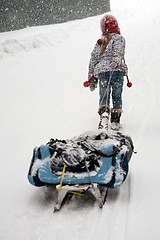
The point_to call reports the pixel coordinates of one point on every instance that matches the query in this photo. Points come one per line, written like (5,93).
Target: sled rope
(77,193)
(106,93)
(62,177)
(89,174)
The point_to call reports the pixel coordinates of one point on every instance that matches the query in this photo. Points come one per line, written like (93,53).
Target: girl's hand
(113,65)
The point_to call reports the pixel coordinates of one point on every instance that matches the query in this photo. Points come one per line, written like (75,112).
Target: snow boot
(115,119)
(104,112)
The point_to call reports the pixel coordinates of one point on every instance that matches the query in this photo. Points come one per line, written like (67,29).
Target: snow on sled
(93,161)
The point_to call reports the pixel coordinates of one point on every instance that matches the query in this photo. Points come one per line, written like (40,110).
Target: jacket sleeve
(93,61)
(118,50)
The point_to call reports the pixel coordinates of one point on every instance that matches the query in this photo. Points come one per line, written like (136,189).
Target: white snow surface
(42,70)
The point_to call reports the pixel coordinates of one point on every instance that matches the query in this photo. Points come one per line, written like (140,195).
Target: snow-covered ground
(41,97)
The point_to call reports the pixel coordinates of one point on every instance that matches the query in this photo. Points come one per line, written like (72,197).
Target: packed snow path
(42,97)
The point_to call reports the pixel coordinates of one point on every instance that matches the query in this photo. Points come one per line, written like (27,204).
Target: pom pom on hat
(99,41)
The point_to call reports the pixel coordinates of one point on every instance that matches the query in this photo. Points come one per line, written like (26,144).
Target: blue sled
(92,158)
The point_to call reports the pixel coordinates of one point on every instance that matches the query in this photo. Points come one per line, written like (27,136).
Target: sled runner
(90,162)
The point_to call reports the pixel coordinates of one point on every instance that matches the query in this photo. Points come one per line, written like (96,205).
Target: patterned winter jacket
(114,52)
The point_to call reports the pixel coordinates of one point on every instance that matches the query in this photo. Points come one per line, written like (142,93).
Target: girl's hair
(106,39)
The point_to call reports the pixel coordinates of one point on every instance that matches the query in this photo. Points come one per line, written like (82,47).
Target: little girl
(107,65)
